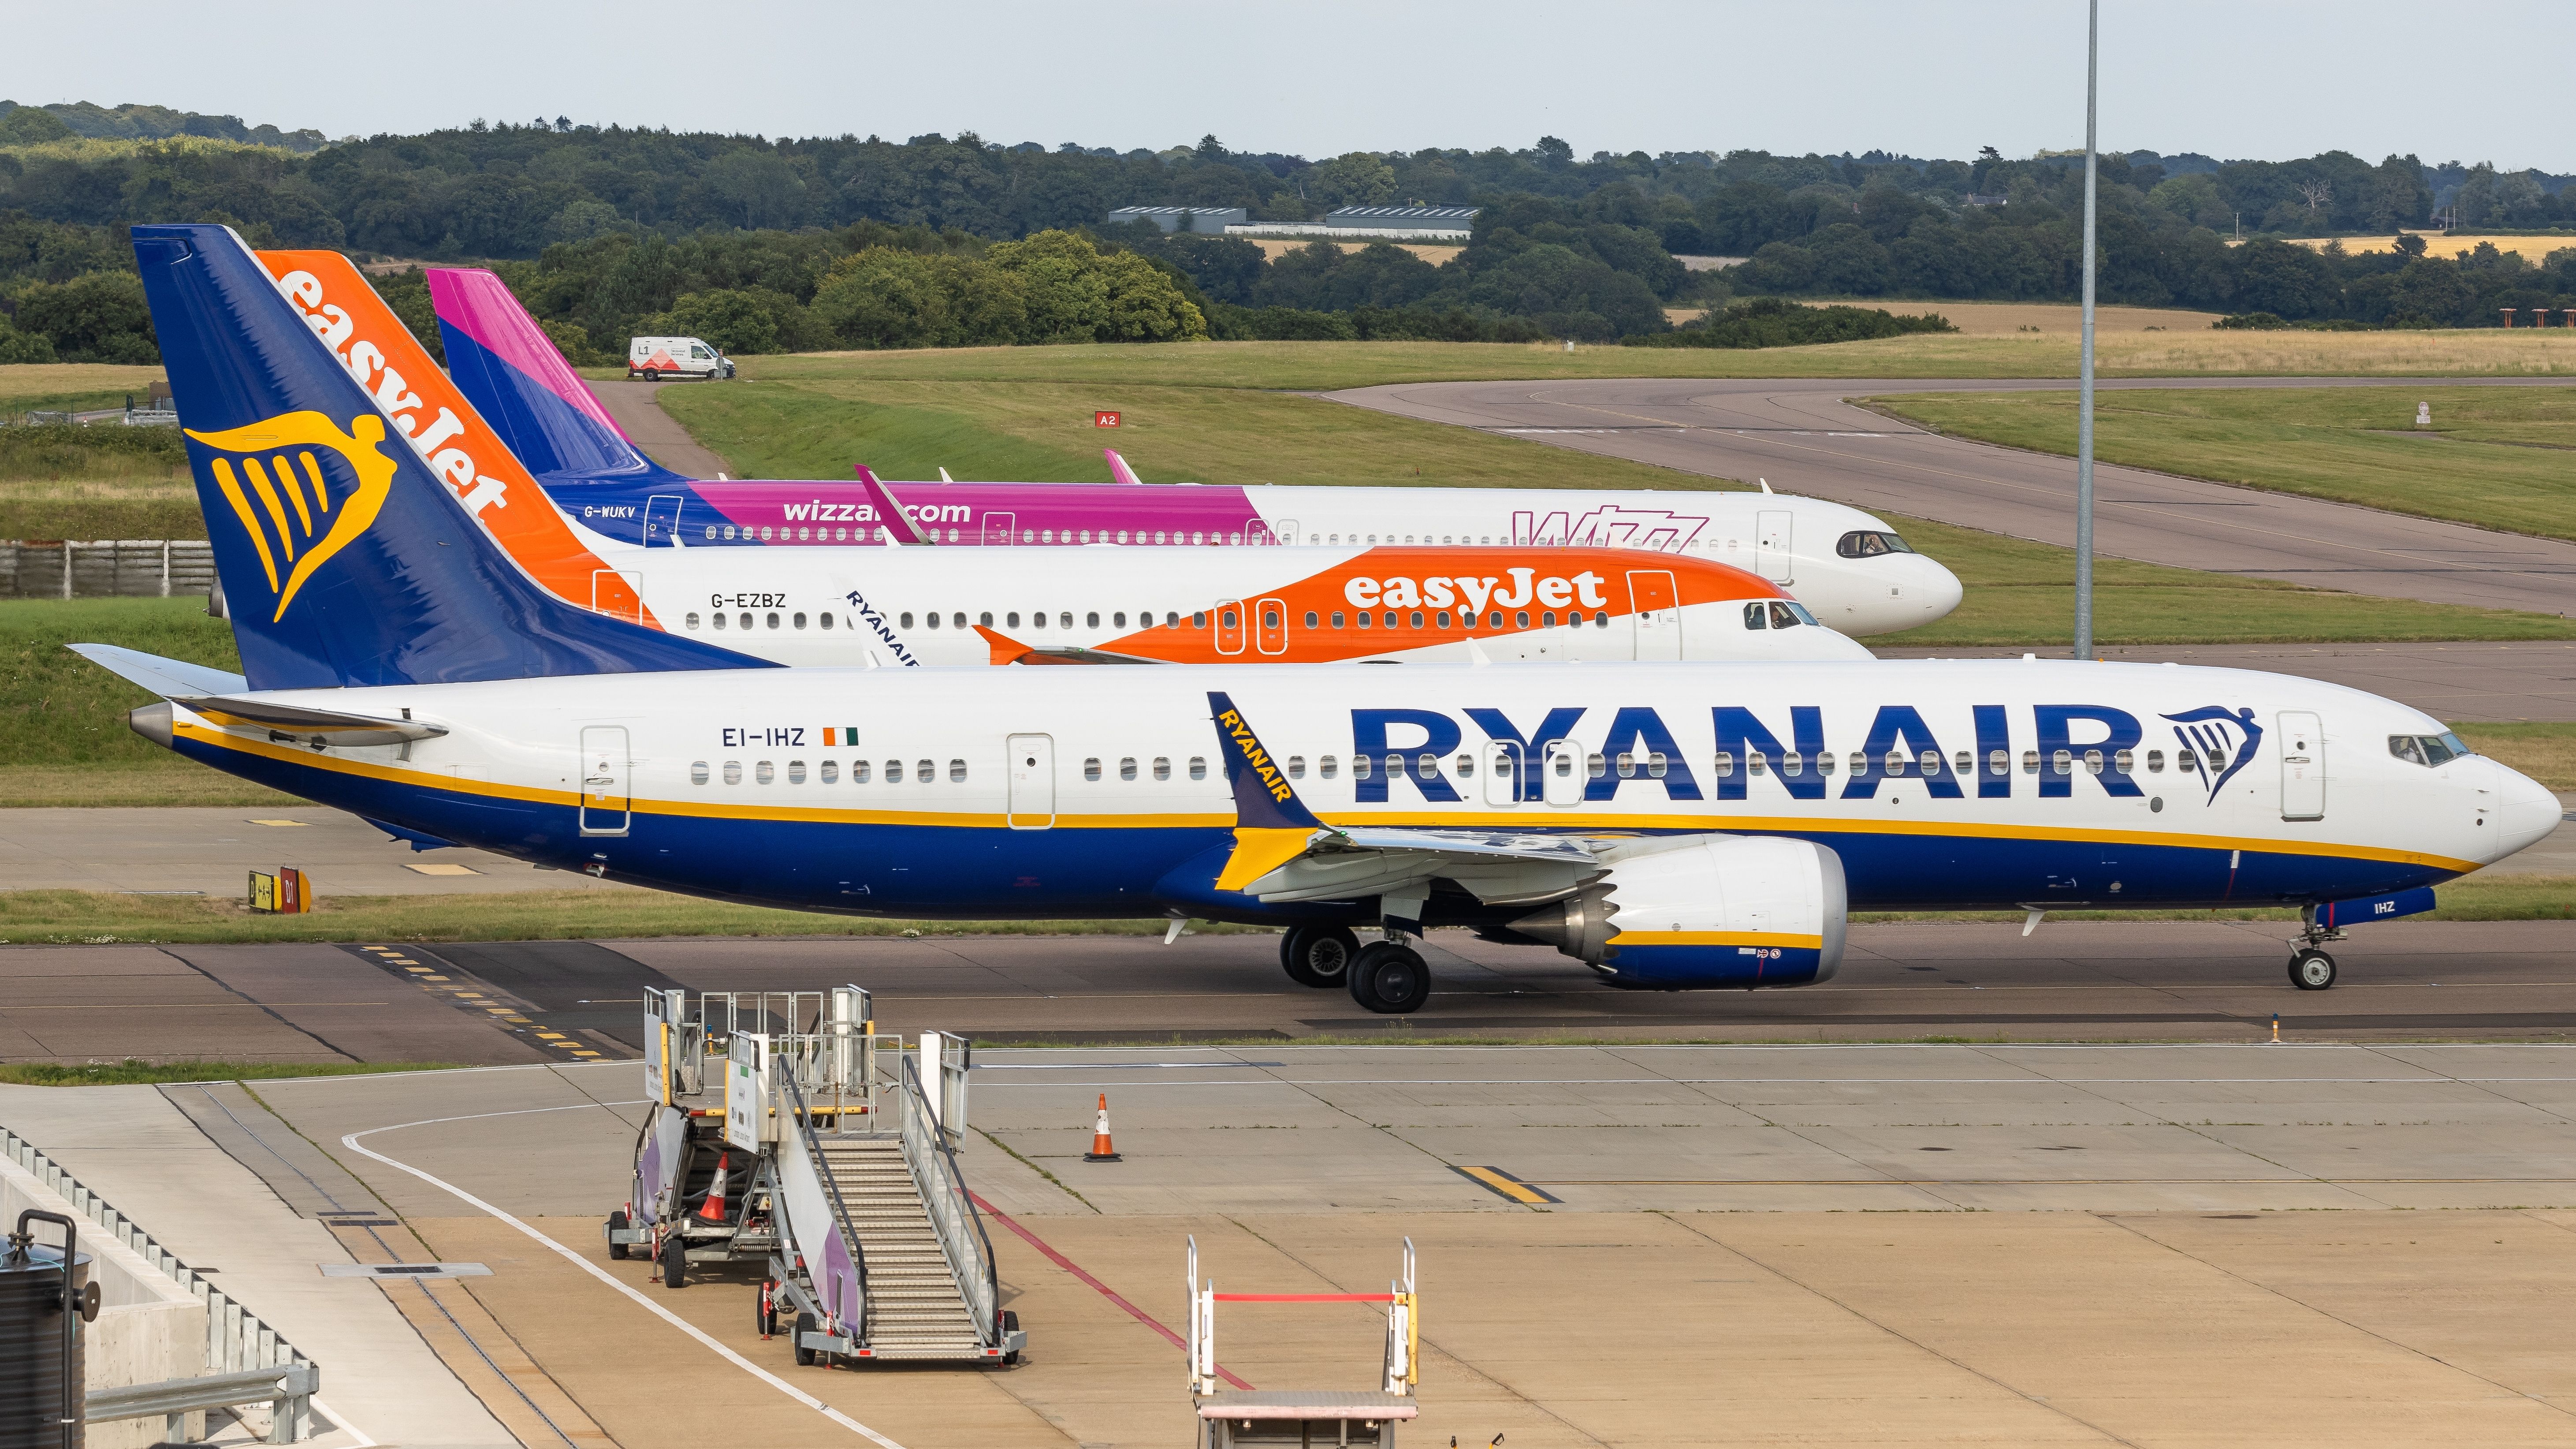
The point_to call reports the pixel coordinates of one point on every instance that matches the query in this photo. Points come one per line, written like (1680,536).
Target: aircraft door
(998,528)
(2303,765)
(1229,627)
(1659,615)
(1032,803)
(604,770)
(1503,761)
(1562,778)
(618,593)
(1286,528)
(1771,538)
(661,520)
(1271,625)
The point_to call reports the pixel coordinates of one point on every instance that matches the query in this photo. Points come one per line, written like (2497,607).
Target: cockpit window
(1868,543)
(1756,617)
(2428,750)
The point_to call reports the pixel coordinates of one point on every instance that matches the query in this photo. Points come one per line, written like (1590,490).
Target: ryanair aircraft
(1851,568)
(912,606)
(1675,825)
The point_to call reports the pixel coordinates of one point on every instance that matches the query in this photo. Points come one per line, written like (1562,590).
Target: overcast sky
(2232,78)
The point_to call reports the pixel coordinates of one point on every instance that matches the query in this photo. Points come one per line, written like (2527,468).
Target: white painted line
(602,1274)
(2428,1080)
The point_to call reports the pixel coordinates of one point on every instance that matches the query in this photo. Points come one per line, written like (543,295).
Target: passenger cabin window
(956,772)
(733,772)
(697,772)
(795,772)
(859,772)
(1127,768)
(925,771)
(1162,767)
(1198,767)
(764,773)
(830,772)
(1091,768)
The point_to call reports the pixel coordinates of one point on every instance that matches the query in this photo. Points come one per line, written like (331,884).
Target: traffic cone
(1101,1151)
(714,1209)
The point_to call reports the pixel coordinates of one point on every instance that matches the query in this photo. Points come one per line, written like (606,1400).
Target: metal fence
(105,568)
(236,1341)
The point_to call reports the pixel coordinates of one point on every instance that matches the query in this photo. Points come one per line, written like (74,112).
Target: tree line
(764,245)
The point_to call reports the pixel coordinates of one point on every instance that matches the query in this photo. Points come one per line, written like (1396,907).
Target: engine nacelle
(1739,911)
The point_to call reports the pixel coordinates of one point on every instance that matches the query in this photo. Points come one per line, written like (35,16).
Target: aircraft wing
(1499,869)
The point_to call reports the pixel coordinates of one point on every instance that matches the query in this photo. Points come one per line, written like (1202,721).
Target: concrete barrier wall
(148,1329)
(103,568)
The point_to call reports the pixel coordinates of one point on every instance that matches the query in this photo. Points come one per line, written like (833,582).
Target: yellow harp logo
(297,524)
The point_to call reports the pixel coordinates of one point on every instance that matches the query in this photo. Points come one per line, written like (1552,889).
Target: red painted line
(1103,1289)
(1305,1298)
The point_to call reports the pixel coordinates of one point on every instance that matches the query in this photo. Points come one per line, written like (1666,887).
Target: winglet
(902,526)
(1271,825)
(1119,470)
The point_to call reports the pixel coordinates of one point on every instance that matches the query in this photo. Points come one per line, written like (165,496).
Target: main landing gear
(1390,978)
(1318,956)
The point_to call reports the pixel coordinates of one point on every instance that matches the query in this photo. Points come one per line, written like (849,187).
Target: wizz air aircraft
(1674,825)
(913,605)
(1853,570)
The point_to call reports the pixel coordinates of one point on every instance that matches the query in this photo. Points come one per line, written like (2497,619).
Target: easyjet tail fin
(344,559)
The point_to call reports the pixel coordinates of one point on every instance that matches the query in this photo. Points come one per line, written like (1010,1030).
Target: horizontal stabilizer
(311,726)
(168,678)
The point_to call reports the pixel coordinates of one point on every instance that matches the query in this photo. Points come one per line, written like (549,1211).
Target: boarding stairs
(914,1306)
(842,1179)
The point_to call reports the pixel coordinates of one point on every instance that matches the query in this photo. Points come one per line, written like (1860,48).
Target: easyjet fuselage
(1949,785)
(935,606)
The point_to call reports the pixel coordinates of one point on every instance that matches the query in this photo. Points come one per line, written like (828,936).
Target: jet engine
(1742,911)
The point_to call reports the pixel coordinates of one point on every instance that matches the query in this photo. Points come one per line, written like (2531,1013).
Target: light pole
(2084,387)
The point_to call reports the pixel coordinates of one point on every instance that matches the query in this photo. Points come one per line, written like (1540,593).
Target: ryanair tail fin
(516,377)
(344,559)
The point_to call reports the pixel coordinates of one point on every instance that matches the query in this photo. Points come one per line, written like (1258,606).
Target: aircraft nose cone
(1940,588)
(2526,812)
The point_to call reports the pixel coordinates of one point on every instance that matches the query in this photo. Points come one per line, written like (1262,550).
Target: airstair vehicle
(823,1155)
(1240,1418)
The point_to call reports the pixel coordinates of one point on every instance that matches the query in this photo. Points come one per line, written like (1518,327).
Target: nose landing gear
(2311,969)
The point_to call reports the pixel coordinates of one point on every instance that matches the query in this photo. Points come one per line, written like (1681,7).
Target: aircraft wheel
(1318,955)
(617,1222)
(1390,979)
(1011,1324)
(675,1260)
(804,1325)
(2312,970)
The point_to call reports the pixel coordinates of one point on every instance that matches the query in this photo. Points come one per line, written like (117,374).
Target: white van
(651,358)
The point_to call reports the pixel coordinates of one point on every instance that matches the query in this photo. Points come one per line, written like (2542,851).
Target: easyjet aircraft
(1853,570)
(1673,825)
(987,606)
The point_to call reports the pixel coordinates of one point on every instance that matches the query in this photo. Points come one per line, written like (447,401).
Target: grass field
(2018,592)
(2014,319)
(2502,458)
(74,386)
(2533,249)
(63,739)
(1322,366)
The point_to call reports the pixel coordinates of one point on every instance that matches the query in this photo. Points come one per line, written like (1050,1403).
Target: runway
(503,1003)
(1805,438)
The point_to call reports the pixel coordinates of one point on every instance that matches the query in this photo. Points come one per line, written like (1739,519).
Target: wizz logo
(298,524)
(2218,737)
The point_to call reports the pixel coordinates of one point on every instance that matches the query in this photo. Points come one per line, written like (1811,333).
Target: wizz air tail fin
(345,560)
(516,377)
